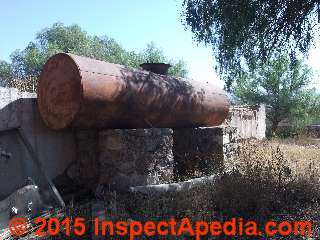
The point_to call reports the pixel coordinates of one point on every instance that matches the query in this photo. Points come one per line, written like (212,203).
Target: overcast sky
(132,23)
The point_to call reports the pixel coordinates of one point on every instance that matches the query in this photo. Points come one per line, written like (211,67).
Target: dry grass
(303,157)
(271,180)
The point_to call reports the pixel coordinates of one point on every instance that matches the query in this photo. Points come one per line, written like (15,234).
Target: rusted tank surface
(80,92)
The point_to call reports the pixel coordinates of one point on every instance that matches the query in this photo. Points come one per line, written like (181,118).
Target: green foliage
(178,69)
(243,31)
(153,54)
(27,64)
(5,73)
(107,49)
(65,38)
(308,111)
(281,85)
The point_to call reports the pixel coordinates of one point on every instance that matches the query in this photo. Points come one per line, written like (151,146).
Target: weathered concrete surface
(134,157)
(250,121)
(175,187)
(24,201)
(55,149)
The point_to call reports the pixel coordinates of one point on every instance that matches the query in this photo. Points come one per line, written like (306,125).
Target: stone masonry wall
(197,151)
(119,158)
(230,147)
(131,157)
(203,151)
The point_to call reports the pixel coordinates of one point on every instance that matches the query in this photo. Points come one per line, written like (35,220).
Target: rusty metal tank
(80,92)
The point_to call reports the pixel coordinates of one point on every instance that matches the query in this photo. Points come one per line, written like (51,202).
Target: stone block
(230,147)
(132,157)
(197,151)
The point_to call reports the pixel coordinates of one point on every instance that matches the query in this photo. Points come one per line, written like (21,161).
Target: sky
(133,23)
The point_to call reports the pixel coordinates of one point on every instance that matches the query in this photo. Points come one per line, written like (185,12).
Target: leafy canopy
(282,85)
(27,63)
(242,32)
(5,73)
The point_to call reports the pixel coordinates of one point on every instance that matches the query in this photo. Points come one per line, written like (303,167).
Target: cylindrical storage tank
(80,92)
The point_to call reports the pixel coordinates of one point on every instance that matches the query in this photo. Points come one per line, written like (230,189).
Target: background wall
(55,149)
(249,120)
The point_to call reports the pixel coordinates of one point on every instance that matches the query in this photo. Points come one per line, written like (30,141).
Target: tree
(308,111)
(5,73)
(242,32)
(153,54)
(282,86)
(27,64)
